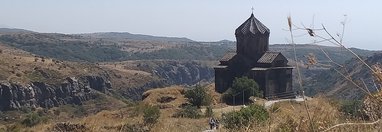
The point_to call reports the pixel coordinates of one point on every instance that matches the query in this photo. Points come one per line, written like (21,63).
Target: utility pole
(243,97)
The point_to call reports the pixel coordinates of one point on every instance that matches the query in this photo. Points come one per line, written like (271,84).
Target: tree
(198,96)
(243,86)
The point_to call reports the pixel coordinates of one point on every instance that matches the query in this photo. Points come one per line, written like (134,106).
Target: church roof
(252,25)
(268,57)
(228,57)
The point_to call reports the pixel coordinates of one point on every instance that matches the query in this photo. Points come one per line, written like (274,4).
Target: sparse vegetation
(151,114)
(253,114)
(352,108)
(33,119)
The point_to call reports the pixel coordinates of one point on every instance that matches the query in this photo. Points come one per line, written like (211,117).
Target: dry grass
(216,97)
(170,97)
(322,112)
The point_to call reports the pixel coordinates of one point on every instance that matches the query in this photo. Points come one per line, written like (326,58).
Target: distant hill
(106,47)
(338,54)
(63,47)
(14,30)
(129,36)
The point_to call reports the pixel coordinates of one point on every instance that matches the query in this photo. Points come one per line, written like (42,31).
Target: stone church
(254,60)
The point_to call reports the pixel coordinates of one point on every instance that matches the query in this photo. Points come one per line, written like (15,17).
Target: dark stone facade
(254,60)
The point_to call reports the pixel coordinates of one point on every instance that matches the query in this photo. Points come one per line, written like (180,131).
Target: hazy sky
(201,20)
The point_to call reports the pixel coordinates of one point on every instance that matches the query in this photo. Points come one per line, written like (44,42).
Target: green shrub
(79,111)
(246,116)
(151,114)
(198,96)
(33,119)
(189,112)
(352,108)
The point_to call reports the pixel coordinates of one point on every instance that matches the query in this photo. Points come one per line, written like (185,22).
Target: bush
(198,96)
(151,115)
(33,119)
(79,111)
(244,117)
(189,112)
(240,85)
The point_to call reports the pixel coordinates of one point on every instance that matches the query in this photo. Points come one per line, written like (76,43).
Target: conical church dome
(253,26)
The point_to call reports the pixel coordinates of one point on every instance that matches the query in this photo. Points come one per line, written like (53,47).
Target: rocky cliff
(37,94)
(186,73)
(169,73)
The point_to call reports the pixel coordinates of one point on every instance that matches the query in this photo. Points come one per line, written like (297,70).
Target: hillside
(129,79)
(172,56)
(338,87)
(31,84)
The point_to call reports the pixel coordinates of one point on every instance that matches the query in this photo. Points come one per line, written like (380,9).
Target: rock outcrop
(186,73)
(170,73)
(38,94)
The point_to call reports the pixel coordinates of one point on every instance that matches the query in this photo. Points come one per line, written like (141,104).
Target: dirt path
(267,104)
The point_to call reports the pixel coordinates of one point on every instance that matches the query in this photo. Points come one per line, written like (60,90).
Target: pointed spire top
(253,26)
(252,9)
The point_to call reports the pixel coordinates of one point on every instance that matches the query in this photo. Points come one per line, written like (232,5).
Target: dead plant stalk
(299,74)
